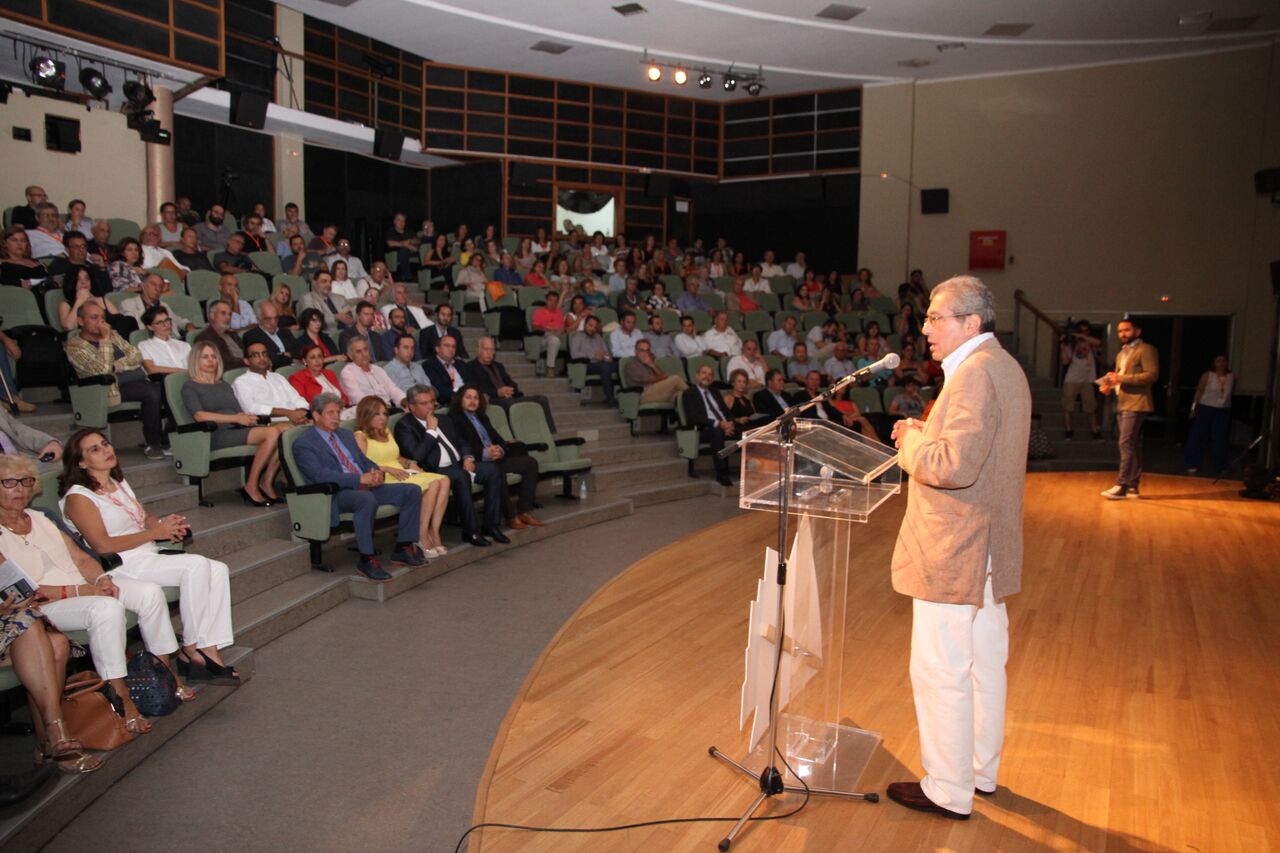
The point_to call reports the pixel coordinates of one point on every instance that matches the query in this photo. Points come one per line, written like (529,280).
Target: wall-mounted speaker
(1275,278)
(62,134)
(388,143)
(249,109)
(935,201)
(1267,181)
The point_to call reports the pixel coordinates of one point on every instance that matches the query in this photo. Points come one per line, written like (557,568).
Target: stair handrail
(1021,302)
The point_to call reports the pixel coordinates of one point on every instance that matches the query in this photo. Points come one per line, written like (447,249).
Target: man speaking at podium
(959,551)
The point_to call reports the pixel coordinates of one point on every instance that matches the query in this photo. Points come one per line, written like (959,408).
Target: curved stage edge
(1141,705)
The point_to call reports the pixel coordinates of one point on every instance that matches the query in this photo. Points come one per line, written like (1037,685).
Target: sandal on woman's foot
(59,743)
(198,667)
(185,693)
(137,725)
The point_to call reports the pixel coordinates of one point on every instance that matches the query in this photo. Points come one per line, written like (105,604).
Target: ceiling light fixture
(680,76)
(840,12)
(730,82)
(654,72)
(628,9)
(94,83)
(754,87)
(138,94)
(704,80)
(48,71)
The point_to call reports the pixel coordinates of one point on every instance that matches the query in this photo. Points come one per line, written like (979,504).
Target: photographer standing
(1080,352)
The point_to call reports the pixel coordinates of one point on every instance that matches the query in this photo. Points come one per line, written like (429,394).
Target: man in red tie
(327,454)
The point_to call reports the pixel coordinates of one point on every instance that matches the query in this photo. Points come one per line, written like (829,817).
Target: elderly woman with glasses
(79,595)
(100,504)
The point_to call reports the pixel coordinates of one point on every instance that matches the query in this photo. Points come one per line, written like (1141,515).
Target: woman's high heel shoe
(65,752)
(206,670)
(249,501)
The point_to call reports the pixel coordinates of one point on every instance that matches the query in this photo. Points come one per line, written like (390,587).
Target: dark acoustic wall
(361,194)
(204,152)
(817,215)
(471,193)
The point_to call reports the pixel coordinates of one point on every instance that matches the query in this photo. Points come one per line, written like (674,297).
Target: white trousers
(103,617)
(958,655)
(553,343)
(204,590)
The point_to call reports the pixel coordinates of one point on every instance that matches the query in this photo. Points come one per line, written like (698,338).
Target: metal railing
(1037,319)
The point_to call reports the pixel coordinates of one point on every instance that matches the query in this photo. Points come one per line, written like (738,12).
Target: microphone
(889,362)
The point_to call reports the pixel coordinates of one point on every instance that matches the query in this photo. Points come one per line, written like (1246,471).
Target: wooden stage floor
(1144,691)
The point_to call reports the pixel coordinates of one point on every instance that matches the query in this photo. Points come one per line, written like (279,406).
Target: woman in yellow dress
(379,445)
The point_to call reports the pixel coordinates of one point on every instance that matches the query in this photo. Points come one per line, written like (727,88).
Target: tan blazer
(964,499)
(1139,368)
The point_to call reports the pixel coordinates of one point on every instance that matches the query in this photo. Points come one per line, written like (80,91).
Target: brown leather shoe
(517,523)
(527,518)
(909,794)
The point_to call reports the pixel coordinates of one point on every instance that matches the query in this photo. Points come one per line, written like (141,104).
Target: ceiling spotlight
(730,82)
(680,76)
(654,72)
(47,71)
(754,87)
(94,83)
(704,80)
(138,94)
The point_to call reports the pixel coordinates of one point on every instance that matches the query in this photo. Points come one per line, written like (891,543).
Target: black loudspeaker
(249,109)
(62,134)
(1275,278)
(659,186)
(388,143)
(524,176)
(1267,181)
(935,201)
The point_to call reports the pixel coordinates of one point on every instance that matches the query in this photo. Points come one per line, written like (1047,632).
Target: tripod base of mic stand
(770,782)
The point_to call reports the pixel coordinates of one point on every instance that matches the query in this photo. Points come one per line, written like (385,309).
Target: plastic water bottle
(582,488)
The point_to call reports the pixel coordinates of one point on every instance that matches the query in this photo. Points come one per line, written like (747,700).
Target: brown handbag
(88,714)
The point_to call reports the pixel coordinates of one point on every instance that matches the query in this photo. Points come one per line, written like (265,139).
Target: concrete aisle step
(164,498)
(642,448)
(265,564)
(609,477)
(261,618)
(647,494)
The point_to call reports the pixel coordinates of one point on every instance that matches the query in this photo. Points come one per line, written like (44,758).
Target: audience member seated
(153,287)
(740,300)
(472,278)
(757,283)
(210,400)
(800,300)
(189,254)
(487,373)
(126,270)
(301,261)
(100,248)
(688,342)
(660,343)
(440,261)
(218,333)
(78,290)
(910,368)
(373,285)
(840,364)
(750,362)
(442,327)
(415,315)
(768,268)
(618,278)
(162,352)
(362,378)
(853,417)
(315,378)
(170,226)
(402,368)
(592,295)
(435,445)
(64,269)
(720,340)
(622,340)
(46,237)
(212,231)
(328,454)
(821,339)
(186,213)
(875,347)
(800,365)
(155,256)
(401,240)
(362,329)
(771,400)
(74,593)
(76,221)
(101,506)
(376,442)
(311,333)
(292,219)
(264,393)
(279,342)
(445,370)
(332,308)
(797,268)
(507,272)
(282,299)
(254,238)
(737,402)
(908,403)
(17,267)
(342,284)
(589,344)
(705,412)
(234,259)
(25,214)
(823,411)
(354,266)
(99,351)
(17,437)
(386,342)
(658,300)
(549,320)
(477,432)
(643,372)
(782,342)
(690,300)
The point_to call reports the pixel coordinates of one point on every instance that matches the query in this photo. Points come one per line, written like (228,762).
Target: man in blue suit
(327,454)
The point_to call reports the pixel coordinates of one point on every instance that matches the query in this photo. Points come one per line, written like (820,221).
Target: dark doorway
(1187,344)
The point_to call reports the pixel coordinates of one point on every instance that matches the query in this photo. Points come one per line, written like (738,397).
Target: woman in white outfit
(78,595)
(98,501)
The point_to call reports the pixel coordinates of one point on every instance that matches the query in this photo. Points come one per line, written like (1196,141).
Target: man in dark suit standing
(959,550)
(278,341)
(771,400)
(442,327)
(475,428)
(327,454)
(487,373)
(704,411)
(435,445)
(444,370)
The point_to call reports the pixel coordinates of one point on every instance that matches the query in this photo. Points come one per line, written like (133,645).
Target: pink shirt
(548,320)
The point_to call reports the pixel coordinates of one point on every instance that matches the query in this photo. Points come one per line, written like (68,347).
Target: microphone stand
(770,780)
